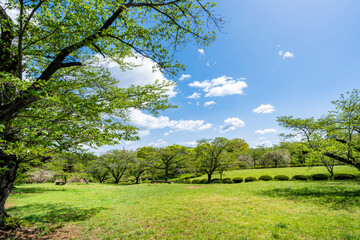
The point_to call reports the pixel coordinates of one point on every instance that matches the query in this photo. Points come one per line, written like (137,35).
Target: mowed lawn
(255,210)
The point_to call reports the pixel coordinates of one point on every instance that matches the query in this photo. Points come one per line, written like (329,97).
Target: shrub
(319,176)
(227,180)
(193,176)
(216,181)
(196,181)
(187,181)
(300,177)
(250,179)
(187,178)
(203,180)
(238,179)
(199,174)
(344,176)
(281,177)
(265,178)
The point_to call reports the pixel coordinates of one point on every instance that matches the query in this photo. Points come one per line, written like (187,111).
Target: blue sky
(286,57)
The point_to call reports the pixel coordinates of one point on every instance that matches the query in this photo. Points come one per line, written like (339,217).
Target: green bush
(344,176)
(281,177)
(199,174)
(265,178)
(187,181)
(193,176)
(196,181)
(187,178)
(216,181)
(203,180)
(238,179)
(227,180)
(250,179)
(319,176)
(300,177)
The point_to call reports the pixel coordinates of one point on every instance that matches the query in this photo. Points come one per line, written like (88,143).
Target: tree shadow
(20,190)
(54,213)
(334,197)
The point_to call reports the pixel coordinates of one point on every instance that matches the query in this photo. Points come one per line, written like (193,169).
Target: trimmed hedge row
(314,177)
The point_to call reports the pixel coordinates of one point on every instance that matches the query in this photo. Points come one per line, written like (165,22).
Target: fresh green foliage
(196,181)
(276,158)
(214,181)
(238,180)
(265,178)
(281,177)
(292,209)
(205,180)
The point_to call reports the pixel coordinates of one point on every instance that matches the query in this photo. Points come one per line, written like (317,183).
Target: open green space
(256,210)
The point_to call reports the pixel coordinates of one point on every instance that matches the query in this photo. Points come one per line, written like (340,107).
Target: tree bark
(7,178)
(209,178)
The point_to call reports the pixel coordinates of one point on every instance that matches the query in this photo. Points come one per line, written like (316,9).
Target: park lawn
(289,171)
(256,210)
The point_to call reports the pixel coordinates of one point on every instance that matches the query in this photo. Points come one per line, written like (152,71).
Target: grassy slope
(257,210)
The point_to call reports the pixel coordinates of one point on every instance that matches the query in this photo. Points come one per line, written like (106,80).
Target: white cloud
(264,108)
(158,143)
(286,54)
(269,130)
(207,104)
(231,124)
(188,144)
(147,122)
(201,51)
(261,141)
(194,96)
(221,86)
(144,72)
(184,76)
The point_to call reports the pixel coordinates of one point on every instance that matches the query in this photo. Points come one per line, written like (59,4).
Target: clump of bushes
(300,177)
(187,178)
(227,180)
(281,177)
(216,181)
(319,176)
(193,176)
(203,181)
(187,181)
(196,181)
(265,178)
(199,174)
(250,179)
(344,176)
(238,179)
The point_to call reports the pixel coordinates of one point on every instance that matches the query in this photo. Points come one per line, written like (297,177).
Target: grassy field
(256,210)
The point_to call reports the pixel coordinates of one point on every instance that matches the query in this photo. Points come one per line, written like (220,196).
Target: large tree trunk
(209,178)
(7,178)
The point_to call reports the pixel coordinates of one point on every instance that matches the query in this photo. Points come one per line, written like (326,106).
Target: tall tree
(210,155)
(117,162)
(169,158)
(55,93)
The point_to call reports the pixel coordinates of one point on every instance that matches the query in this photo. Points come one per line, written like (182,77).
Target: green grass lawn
(256,210)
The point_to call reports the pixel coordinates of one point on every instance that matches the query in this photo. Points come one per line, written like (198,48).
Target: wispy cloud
(201,51)
(221,86)
(264,108)
(184,76)
(264,131)
(286,54)
(261,141)
(210,103)
(231,124)
(194,96)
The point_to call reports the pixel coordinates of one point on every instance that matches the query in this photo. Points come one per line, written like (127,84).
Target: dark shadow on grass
(37,190)
(55,213)
(335,197)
